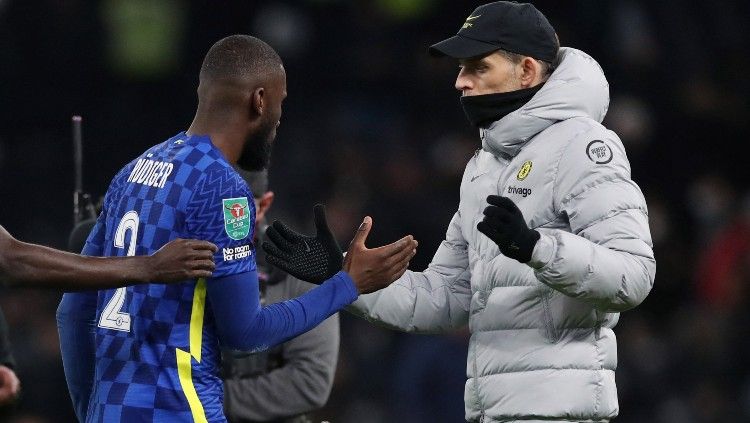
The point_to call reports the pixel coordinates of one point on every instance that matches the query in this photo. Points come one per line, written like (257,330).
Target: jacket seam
(541,225)
(415,288)
(477,400)
(582,369)
(536,328)
(598,390)
(549,323)
(455,246)
(610,214)
(534,419)
(596,184)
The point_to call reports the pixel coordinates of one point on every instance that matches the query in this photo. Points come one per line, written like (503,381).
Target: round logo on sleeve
(599,152)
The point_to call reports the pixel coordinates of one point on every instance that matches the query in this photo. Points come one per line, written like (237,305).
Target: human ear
(257,101)
(264,203)
(530,72)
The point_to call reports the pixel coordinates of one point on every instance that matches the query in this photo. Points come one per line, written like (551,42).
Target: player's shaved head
(242,86)
(240,58)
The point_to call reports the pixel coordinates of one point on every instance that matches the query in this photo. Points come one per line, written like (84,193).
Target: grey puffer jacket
(542,344)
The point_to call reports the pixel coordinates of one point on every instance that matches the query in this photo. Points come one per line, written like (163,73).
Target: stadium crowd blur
(372,125)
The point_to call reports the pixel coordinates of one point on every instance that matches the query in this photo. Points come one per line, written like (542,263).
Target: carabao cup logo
(236,217)
(237,210)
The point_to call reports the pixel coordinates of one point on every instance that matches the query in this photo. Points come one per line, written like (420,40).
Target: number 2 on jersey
(112,317)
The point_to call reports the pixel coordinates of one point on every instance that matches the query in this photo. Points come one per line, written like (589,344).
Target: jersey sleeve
(76,320)
(94,245)
(221,210)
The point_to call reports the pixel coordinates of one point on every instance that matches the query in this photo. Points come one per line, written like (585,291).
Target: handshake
(317,258)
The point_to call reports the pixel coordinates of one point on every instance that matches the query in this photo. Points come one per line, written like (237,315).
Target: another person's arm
(432,301)
(30,265)
(233,292)
(302,384)
(243,324)
(76,324)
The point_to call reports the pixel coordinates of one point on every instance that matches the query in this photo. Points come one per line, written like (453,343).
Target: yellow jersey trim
(184,358)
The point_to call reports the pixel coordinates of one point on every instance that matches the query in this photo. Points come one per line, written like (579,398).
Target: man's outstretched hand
(317,258)
(182,259)
(376,268)
(310,258)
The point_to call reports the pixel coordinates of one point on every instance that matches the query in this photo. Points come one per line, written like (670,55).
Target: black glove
(310,258)
(504,223)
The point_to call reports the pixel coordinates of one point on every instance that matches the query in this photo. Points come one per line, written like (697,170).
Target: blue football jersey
(157,351)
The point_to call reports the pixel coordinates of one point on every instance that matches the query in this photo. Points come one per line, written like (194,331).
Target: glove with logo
(504,223)
(310,258)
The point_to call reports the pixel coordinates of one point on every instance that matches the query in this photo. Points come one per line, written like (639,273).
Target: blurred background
(373,126)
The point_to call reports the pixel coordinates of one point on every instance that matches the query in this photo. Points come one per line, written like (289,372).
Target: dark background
(373,126)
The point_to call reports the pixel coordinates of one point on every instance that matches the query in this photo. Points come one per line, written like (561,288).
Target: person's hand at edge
(10,386)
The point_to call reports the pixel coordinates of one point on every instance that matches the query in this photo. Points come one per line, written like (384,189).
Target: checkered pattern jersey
(164,366)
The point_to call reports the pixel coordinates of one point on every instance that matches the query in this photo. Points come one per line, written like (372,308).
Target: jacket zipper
(476,386)
(548,322)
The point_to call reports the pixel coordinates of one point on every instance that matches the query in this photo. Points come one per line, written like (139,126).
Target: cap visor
(459,47)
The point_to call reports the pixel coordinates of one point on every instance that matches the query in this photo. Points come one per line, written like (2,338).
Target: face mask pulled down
(481,110)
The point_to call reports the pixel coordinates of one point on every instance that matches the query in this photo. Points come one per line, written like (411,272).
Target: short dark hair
(547,67)
(239,57)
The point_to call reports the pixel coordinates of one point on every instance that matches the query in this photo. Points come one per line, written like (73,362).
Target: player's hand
(309,258)
(10,386)
(182,259)
(504,224)
(376,268)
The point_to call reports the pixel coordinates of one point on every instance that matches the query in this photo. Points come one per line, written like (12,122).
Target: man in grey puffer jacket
(550,241)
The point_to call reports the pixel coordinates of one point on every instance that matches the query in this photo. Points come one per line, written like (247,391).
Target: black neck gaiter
(482,110)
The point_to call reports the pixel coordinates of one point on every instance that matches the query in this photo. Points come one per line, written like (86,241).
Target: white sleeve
(606,259)
(432,301)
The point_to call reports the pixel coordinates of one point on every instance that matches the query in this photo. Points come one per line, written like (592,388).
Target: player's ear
(264,203)
(257,101)
(530,70)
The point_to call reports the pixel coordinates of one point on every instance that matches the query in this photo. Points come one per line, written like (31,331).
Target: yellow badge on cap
(524,171)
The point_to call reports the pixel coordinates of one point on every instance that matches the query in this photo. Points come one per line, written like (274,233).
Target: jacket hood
(577,88)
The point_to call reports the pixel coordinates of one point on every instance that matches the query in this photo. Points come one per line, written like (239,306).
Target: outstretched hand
(309,258)
(317,258)
(376,268)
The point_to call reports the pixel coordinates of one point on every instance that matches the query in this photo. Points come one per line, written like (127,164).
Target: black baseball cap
(515,27)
